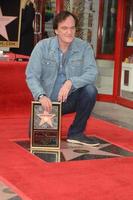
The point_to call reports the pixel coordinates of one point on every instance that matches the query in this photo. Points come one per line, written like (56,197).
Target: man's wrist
(41,96)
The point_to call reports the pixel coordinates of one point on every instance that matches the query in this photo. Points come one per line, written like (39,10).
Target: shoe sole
(78,142)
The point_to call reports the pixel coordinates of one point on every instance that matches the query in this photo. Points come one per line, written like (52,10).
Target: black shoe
(84,140)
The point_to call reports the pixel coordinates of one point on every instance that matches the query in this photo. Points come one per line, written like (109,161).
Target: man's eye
(64,28)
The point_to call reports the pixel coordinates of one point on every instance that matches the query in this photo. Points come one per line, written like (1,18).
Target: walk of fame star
(73,151)
(46,118)
(4,20)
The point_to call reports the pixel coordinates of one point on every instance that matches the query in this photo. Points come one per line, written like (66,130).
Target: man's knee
(89,91)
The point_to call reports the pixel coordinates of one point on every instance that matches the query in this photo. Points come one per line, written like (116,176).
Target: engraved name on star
(46,118)
(5,20)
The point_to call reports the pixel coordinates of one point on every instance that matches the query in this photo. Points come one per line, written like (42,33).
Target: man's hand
(46,103)
(64,91)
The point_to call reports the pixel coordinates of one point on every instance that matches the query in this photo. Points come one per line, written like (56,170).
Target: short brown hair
(62,16)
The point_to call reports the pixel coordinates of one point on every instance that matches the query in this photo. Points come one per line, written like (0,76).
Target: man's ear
(56,31)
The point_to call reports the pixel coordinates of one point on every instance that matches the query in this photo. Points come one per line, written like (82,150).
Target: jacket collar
(55,45)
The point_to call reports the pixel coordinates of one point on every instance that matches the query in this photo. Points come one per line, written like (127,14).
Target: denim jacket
(43,65)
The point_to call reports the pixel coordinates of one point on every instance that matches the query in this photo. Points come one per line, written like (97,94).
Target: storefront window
(127,64)
(50,10)
(45,11)
(107,27)
(129,24)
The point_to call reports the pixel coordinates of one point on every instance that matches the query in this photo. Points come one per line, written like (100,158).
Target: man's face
(66,30)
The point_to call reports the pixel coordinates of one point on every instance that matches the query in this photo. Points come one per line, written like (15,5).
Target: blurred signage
(10,22)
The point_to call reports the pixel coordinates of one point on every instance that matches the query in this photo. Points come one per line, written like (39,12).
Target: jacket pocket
(48,62)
